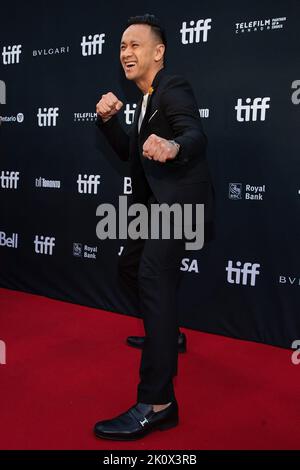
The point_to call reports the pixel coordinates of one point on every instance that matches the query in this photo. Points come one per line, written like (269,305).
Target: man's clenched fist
(108,105)
(159,149)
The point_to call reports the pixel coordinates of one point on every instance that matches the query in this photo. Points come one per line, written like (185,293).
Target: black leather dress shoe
(138,342)
(137,422)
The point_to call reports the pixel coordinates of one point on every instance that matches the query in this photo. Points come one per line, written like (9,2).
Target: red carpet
(67,366)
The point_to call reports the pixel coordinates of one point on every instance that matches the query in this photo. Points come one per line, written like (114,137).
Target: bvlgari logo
(51,51)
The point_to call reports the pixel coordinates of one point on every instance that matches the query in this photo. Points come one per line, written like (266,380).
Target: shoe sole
(162,427)
(180,350)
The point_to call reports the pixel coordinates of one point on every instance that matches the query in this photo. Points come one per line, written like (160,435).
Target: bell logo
(241,275)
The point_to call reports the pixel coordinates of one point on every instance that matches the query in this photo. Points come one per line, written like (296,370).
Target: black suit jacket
(171,113)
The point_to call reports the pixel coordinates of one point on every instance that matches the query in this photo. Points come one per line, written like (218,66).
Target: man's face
(138,48)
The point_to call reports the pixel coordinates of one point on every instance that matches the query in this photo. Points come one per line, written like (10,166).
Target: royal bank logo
(19,118)
(11,54)
(253,110)
(2,92)
(296,94)
(266,24)
(9,179)
(84,251)
(51,51)
(77,250)
(92,45)
(44,245)
(251,193)
(85,117)
(235,191)
(47,184)
(9,241)
(196,32)
(88,184)
(47,117)
(242,274)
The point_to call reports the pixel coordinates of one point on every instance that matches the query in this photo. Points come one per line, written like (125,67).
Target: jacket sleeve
(115,135)
(180,108)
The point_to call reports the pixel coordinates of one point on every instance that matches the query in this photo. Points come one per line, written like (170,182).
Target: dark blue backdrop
(58,58)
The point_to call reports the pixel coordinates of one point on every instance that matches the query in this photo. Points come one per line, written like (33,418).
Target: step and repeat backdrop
(243,62)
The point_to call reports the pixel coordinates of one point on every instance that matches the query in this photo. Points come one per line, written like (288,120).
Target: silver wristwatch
(175,143)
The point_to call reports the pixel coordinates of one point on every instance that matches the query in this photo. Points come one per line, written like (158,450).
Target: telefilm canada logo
(257,25)
(84,117)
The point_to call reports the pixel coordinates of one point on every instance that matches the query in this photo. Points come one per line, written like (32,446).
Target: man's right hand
(108,105)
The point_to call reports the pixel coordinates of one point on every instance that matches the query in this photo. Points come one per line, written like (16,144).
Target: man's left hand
(159,149)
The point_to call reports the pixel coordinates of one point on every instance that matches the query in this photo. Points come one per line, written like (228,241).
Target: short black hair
(152,21)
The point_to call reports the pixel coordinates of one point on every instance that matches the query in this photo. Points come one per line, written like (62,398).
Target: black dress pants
(149,270)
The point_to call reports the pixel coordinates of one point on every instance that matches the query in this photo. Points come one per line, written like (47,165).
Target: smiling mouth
(130,66)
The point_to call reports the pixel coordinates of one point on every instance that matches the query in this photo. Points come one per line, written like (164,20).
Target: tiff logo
(88,184)
(193,33)
(249,112)
(238,274)
(129,113)
(2,352)
(92,45)
(11,54)
(47,117)
(2,92)
(9,179)
(44,245)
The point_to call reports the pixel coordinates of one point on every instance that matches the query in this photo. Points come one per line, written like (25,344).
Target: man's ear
(160,49)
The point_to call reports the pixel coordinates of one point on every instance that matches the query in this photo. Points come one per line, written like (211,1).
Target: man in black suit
(166,150)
